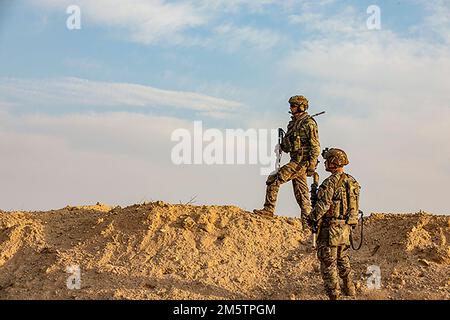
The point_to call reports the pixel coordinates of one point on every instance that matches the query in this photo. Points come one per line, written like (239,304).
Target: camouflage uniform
(335,209)
(302,142)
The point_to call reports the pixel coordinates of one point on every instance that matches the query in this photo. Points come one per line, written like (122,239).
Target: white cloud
(381,64)
(345,21)
(146,21)
(163,22)
(115,157)
(237,5)
(388,106)
(86,64)
(87,94)
(234,37)
(438,20)
(260,6)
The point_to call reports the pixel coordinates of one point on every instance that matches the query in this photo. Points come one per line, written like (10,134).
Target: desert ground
(173,251)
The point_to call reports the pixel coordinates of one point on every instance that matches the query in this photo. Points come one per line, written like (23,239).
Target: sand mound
(162,251)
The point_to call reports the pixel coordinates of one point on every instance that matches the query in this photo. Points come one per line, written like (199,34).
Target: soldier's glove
(310,171)
(285,145)
(352,222)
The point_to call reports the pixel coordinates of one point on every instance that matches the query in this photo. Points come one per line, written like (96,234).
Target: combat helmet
(299,101)
(335,156)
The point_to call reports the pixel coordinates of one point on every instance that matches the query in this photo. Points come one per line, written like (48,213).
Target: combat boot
(305,222)
(263,212)
(348,287)
(334,295)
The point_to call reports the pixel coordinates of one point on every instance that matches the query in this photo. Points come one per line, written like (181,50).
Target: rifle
(315,225)
(314,198)
(281,134)
(317,114)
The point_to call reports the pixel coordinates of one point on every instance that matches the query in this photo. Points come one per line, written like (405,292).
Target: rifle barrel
(317,114)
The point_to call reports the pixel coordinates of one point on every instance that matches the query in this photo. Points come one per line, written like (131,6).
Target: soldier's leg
(328,256)
(345,271)
(285,174)
(301,192)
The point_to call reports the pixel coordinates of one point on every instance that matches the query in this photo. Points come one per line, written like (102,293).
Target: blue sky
(37,44)
(114,91)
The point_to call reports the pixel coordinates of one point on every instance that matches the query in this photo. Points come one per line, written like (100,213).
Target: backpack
(346,200)
(353,190)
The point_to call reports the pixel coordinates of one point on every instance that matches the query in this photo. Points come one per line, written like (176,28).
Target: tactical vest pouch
(297,157)
(335,209)
(339,205)
(339,233)
(297,144)
(353,190)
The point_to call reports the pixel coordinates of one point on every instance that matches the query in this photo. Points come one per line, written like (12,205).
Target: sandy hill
(163,251)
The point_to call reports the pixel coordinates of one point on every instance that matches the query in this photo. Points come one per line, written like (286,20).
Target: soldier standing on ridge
(336,211)
(302,142)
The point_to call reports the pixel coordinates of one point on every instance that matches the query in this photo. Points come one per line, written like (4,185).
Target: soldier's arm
(285,144)
(324,201)
(313,133)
